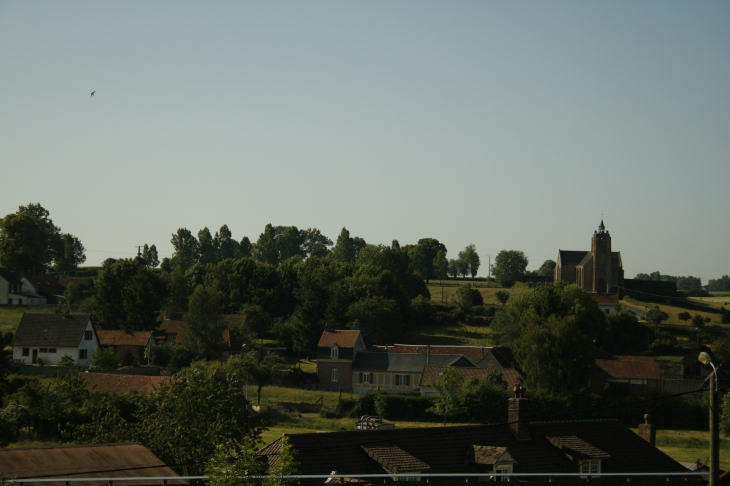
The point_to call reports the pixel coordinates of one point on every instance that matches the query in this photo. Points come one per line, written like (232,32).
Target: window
(335,352)
(44,350)
(366,378)
(52,350)
(590,466)
(83,353)
(403,380)
(334,374)
(502,469)
(26,351)
(88,335)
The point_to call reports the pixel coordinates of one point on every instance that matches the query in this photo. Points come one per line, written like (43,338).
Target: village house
(171,329)
(345,364)
(51,336)
(586,448)
(123,461)
(636,374)
(131,346)
(12,292)
(46,286)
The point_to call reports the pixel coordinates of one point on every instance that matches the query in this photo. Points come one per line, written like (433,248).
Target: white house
(51,336)
(12,292)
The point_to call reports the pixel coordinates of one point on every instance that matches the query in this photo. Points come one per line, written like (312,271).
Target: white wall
(53,358)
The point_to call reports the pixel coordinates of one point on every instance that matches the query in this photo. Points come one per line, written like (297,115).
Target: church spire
(601,227)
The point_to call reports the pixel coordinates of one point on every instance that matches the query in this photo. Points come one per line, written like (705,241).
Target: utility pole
(489,268)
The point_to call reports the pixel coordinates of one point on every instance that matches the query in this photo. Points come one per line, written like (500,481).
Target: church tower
(601,252)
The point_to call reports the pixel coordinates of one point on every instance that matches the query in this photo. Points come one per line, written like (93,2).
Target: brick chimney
(647,430)
(518,414)
(428,354)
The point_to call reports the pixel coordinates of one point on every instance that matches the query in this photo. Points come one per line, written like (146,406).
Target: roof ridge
(70,446)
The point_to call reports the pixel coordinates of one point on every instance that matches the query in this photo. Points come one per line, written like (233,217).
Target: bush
(104,358)
(393,406)
(424,312)
(66,361)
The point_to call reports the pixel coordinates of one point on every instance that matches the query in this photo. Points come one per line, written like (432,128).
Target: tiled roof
(394,459)
(123,338)
(45,284)
(626,369)
(95,461)
(508,374)
(344,339)
(116,383)
(173,327)
(471,352)
(575,446)
(59,330)
(445,449)
(489,455)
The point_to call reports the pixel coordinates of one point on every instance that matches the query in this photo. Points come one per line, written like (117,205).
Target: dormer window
(335,352)
(590,467)
(502,469)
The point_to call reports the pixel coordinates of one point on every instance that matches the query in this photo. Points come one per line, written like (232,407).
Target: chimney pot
(518,414)
(647,430)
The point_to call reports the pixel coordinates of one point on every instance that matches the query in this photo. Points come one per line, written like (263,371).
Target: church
(598,271)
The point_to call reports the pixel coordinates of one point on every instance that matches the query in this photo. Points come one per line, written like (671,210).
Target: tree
(698,321)
(453,268)
(285,465)
(187,249)
(53,246)
(203,325)
(547,269)
(344,250)
(208,253)
(127,295)
(22,245)
(249,369)
(684,316)
(502,296)
(149,256)
(315,243)
(509,265)
(71,255)
(448,387)
(379,319)
(104,359)
(656,316)
(441,268)
(467,297)
(234,466)
(721,348)
(484,400)
(551,330)
(225,245)
(470,259)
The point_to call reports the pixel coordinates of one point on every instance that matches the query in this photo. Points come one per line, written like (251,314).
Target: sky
(507,125)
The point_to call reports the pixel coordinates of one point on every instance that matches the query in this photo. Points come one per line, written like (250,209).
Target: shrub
(104,358)
(66,361)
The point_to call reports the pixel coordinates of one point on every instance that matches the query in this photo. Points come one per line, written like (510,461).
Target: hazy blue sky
(510,125)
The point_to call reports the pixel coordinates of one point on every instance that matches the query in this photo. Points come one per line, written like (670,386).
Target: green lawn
(672,311)
(454,334)
(450,287)
(690,445)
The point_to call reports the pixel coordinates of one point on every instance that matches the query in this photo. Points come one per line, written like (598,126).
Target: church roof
(569,257)
(586,260)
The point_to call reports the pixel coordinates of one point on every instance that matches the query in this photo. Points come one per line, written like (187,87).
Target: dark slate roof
(569,257)
(586,259)
(36,329)
(395,362)
(45,284)
(577,447)
(446,449)
(12,279)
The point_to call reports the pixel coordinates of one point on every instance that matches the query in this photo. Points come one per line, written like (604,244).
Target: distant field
(450,287)
(454,334)
(674,310)
(690,445)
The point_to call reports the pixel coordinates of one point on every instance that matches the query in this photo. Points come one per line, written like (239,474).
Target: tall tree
(448,385)
(53,245)
(315,243)
(22,244)
(225,244)
(551,330)
(72,256)
(379,319)
(470,257)
(441,268)
(207,249)
(245,248)
(203,325)
(150,257)
(422,255)
(127,295)
(508,266)
(187,249)
(344,248)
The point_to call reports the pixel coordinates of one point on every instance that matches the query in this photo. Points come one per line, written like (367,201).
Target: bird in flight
(92,93)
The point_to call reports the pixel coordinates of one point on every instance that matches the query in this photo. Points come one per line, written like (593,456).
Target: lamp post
(705,359)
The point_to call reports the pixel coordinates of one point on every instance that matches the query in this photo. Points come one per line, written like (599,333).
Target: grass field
(450,287)
(672,311)
(10,317)
(690,445)
(454,334)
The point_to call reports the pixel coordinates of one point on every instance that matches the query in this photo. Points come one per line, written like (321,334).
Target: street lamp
(706,359)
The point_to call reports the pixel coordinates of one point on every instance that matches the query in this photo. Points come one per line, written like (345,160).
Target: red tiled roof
(173,327)
(344,339)
(625,369)
(509,375)
(114,383)
(123,338)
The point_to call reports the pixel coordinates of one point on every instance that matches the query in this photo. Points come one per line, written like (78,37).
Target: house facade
(46,286)
(129,345)
(51,336)
(13,293)
(345,364)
